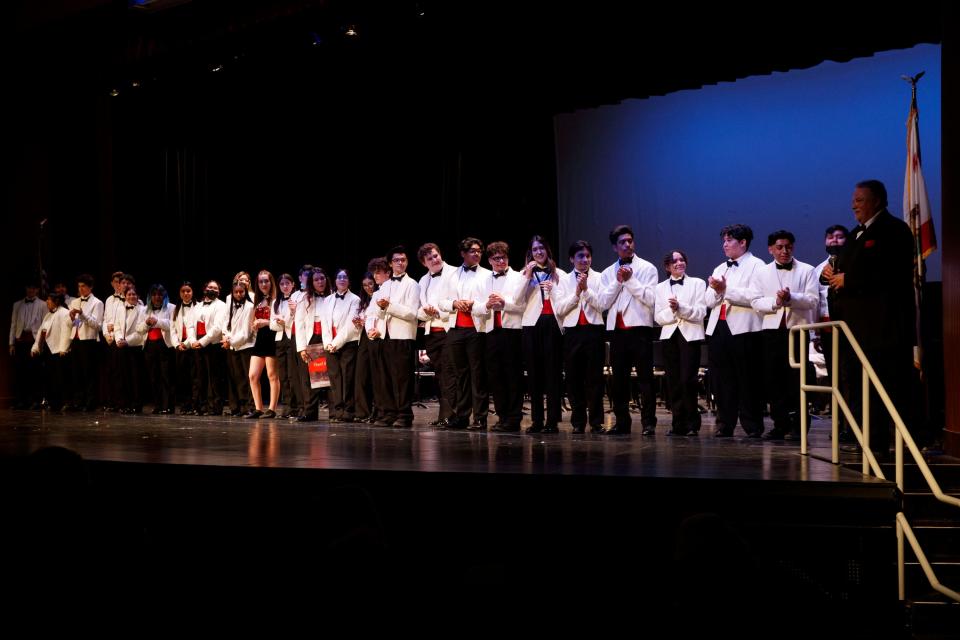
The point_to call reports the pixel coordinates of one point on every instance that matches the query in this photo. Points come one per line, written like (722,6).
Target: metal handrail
(902,435)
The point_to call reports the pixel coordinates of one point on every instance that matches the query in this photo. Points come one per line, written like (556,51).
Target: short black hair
(468,242)
(85,278)
(618,231)
(780,234)
(668,258)
(577,245)
(834,228)
(738,232)
(394,251)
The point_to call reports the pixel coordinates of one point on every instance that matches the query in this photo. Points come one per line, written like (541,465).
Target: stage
(230,504)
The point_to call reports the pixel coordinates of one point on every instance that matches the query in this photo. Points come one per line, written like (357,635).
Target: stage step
(933,617)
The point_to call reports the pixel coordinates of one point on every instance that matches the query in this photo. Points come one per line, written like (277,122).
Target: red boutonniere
(869,243)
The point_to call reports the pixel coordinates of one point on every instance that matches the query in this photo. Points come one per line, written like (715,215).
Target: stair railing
(862,431)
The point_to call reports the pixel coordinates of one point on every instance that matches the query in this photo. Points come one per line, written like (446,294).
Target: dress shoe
(253,415)
(383,423)
(346,419)
(436,423)
(505,428)
(676,432)
(755,434)
(722,433)
(402,424)
(792,435)
(285,416)
(649,431)
(306,419)
(580,429)
(616,431)
(535,428)
(550,428)
(596,428)
(774,434)
(269,414)
(156,411)
(166,412)
(334,420)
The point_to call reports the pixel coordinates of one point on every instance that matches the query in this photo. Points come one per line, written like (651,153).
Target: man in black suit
(872,290)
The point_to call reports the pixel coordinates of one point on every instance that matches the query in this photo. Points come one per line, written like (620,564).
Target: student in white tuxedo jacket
(680,310)
(542,335)
(502,321)
(52,348)
(466,340)
(288,362)
(28,314)
(396,305)
(627,294)
(129,342)
(86,314)
(341,339)
(158,348)
(579,309)
(204,334)
(237,343)
(187,385)
(309,330)
(435,326)
(735,346)
(109,354)
(789,296)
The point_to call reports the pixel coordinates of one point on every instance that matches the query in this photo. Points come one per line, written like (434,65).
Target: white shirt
(738,298)
(568,304)
(213,317)
(110,306)
(528,294)
(340,314)
(27,316)
(511,317)
(57,331)
(178,324)
(692,310)
(462,285)
(804,294)
(633,299)
(126,323)
(309,311)
(400,316)
(823,309)
(432,290)
(238,328)
(283,314)
(87,322)
(163,316)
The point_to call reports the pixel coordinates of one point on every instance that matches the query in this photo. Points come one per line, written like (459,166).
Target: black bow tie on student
(732,263)
(118,297)
(679,282)
(437,274)
(625,263)
(29,300)
(207,303)
(497,275)
(129,307)
(466,268)
(788,266)
(84,299)
(340,296)
(396,278)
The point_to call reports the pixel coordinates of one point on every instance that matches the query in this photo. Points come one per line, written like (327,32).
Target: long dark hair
(364,296)
(193,299)
(233,302)
(280,298)
(551,265)
(258,296)
(154,288)
(326,288)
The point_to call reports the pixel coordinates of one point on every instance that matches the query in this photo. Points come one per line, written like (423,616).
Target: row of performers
(482,328)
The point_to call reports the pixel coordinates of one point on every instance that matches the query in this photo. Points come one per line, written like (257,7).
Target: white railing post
(865,419)
(803,388)
(835,386)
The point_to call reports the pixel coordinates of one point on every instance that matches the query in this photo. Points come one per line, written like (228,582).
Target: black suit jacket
(877,299)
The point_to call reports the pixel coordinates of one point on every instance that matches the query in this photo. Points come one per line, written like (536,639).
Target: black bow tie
(118,297)
(497,275)
(466,268)
(340,296)
(787,266)
(437,274)
(84,299)
(396,278)
(206,304)
(29,300)
(732,263)
(625,263)
(679,282)
(129,307)
(237,305)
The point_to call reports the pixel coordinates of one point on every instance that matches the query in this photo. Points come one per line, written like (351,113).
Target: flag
(916,204)
(916,212)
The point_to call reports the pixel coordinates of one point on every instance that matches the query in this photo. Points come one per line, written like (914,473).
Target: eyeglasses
(474,250)
(398,260)
(498,258)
